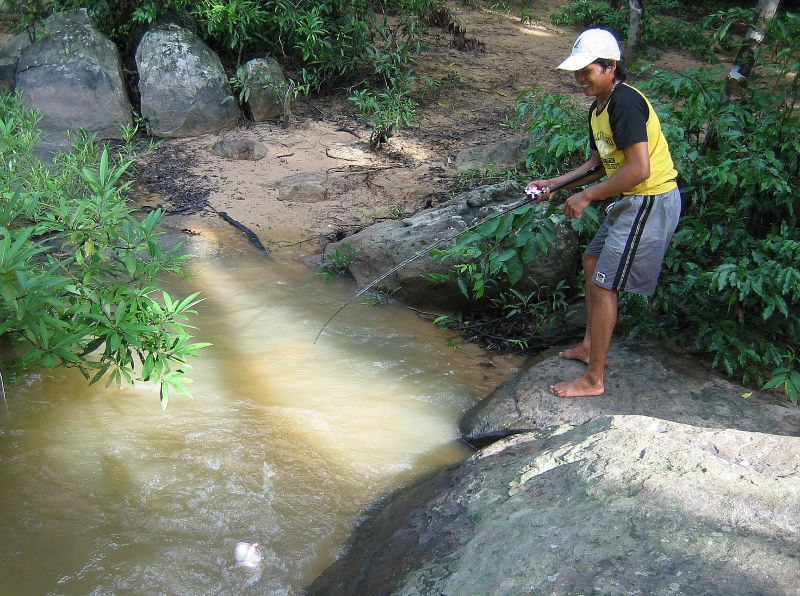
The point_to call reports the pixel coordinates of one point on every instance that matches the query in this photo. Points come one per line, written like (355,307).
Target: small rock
(239,149)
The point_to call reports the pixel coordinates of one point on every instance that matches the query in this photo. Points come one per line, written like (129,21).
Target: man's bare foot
(580,387)
(579,352)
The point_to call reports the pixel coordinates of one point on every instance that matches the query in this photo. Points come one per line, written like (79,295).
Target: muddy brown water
(285,443)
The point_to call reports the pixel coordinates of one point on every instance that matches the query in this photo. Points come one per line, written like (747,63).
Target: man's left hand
(574,206)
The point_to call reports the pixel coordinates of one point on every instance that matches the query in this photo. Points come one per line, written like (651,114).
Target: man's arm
(635,171)
(592,162)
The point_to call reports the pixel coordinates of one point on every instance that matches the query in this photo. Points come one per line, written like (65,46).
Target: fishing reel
(533,191)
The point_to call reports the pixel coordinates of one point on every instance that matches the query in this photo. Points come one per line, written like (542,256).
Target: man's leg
(582,350)
(603,320)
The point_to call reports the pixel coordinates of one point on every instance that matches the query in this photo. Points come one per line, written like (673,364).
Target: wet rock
(268,87)
(73,75)
(308,187)
(239,149)
(9,58)
(383,246)
(637,382)
(504,154)
(182,84)
(189,242)
(618,505)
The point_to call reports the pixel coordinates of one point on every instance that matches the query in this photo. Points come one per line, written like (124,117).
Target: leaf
(514,269)
(778,378)
(488,228)
(147,367)
(463,287)
(529,251)
(104,166)
(522,239)
(99,374)
(794,377)
(167,301)
(507,254)
(436,277)
(164,394)
(130,263)
(187,302)
(478,288)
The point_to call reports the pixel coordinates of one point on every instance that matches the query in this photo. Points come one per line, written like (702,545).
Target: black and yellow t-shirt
(628,119)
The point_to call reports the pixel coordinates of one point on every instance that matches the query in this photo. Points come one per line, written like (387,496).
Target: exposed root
(443,18)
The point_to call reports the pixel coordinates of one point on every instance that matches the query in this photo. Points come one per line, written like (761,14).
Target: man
(627,252)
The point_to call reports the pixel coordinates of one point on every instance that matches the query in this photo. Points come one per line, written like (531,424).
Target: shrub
(338,261)
(592,13)
(78,273)
(663,25)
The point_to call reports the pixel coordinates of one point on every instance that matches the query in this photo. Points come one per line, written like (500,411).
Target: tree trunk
(634,31)
(745,61)
(742,67)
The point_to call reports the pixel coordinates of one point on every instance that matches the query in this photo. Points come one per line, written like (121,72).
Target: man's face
(595,80)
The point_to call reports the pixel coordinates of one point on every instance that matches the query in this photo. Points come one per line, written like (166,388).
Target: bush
(663,26)
(78,273)
(593,13)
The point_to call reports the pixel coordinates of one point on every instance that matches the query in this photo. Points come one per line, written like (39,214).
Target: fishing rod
(533,194)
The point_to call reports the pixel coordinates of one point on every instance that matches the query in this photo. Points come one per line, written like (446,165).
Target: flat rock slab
(307,187)
(619,505)
(640,379)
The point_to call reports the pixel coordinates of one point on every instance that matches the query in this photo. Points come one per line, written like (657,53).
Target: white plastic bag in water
(247,554)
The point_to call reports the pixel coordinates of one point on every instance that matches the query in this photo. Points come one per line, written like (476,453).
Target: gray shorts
(632,241)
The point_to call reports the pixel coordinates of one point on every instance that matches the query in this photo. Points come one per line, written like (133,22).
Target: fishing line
(533,194)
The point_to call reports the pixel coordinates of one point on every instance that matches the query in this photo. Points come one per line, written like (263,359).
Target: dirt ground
(463,97)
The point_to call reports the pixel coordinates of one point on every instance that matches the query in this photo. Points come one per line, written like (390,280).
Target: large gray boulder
(9,59)
(73,75)
(640,379)
(384,245)
(182,84)
(504,154)
(619,505)
(267,88)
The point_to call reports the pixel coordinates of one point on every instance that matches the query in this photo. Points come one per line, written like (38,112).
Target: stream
(285,443)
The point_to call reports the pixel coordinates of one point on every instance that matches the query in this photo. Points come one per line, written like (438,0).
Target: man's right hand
(542,186)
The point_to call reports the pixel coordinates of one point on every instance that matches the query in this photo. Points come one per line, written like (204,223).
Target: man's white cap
(591,45)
